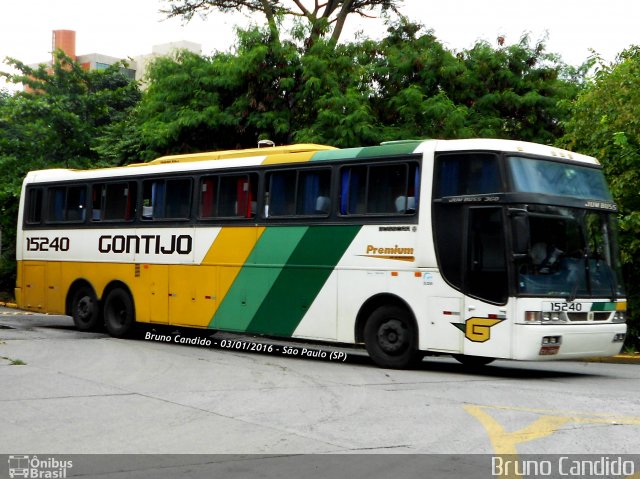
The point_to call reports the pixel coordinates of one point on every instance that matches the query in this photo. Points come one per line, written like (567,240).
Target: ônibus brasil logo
(34,467)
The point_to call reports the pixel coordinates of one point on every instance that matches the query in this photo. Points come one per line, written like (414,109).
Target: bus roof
(228,154)
(299,153)
(514,146)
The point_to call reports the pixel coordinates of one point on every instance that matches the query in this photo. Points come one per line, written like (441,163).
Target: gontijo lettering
(147,244)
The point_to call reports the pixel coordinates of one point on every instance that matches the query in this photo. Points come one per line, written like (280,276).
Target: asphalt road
(66,392)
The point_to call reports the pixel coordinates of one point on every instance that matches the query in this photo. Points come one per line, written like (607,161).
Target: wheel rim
(84,309)
(393,336)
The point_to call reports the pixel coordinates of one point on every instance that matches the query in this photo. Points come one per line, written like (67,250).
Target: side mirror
(520,232)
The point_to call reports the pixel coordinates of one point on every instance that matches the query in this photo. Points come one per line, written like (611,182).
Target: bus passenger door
(486,284)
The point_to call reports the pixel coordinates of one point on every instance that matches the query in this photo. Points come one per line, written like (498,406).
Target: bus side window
(281,193)
(387,184)
(34,206)
(208,197)
(66,203)
(178,198)
(467,174)
(56,200)
(166,199)
(353,182)
(236,196)
(387,189)
(113,201)
(76,203)
(97,200)
(313,197)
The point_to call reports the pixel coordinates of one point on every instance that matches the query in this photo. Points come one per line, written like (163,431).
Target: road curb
(619,359)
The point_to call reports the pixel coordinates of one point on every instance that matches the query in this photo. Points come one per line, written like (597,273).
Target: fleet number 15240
(564,307)
(42,243)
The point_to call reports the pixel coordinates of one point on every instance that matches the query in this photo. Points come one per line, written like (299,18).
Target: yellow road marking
(505,443)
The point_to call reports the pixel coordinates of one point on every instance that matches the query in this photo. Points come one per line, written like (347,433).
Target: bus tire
(473,361)
(390,337)
(119,313)
(85,309)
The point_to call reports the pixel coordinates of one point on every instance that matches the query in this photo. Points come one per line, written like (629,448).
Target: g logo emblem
(478,330)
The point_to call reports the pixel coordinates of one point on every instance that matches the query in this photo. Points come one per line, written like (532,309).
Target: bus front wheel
(119,314)
(85,309)
(390,338)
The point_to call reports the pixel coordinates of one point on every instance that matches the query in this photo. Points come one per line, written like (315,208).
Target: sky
(127,28)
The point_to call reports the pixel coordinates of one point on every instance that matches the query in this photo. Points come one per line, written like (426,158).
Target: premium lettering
(396,250)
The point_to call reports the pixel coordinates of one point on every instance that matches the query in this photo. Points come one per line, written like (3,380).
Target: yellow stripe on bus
(227,254)
(289,158)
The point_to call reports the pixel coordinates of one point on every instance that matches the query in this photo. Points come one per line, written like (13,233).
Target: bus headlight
(552,317)
(619,317)
(544,317)
(533,316)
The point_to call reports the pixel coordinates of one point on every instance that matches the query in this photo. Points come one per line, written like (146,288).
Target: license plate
(563,307)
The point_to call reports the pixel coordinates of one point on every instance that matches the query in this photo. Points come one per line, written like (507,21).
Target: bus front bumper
(539,342)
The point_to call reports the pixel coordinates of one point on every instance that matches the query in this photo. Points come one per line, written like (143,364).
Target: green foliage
(408,85)
(58,122)
(195,103)
(514,91)
(605,123)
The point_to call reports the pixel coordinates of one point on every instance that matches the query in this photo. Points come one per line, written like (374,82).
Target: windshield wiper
(572,297)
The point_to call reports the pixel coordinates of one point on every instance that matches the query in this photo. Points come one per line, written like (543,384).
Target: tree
(605,123)
(324,20)
(58,122)
(514,91)
(196,103)
(407,85)
(412,75)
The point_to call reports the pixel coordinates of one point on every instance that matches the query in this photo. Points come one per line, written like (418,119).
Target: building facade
(136,67)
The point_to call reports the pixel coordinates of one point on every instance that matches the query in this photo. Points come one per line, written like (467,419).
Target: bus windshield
(573,253)
(555,178)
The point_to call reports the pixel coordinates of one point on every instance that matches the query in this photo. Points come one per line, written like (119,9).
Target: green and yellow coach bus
(480,248)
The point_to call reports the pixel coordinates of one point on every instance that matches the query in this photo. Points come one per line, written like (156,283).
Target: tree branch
(340,20)
(271,19)
(302,8)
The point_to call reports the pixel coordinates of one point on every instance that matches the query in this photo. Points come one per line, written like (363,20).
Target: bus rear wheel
(391,337)
(85,309)
(119,314)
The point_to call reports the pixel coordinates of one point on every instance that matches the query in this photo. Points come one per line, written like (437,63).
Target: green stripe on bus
(389,149)
(257,276)
(301,280)
(346,154)
(603,306)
